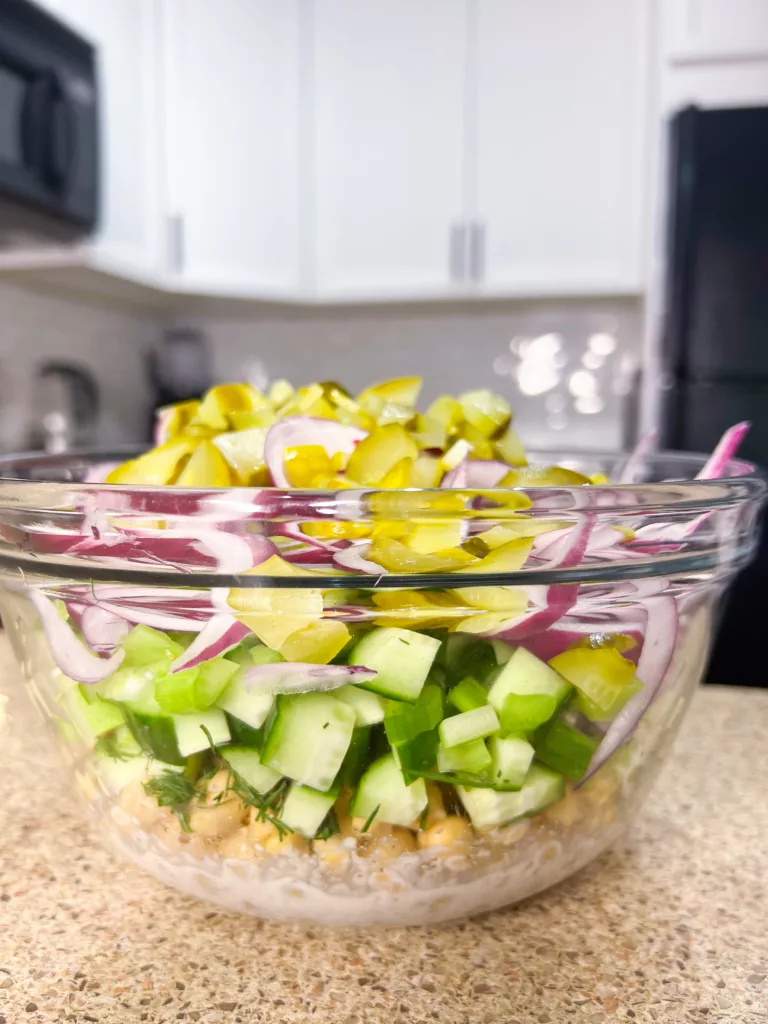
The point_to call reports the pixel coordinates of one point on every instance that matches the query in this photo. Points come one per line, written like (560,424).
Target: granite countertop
(670,926)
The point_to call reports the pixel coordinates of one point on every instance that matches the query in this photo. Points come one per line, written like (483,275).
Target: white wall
(454,348)
(35,326)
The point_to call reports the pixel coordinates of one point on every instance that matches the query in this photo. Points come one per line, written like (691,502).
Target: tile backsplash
(566,366)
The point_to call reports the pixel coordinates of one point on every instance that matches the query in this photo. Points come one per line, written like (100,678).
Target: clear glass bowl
(633,572)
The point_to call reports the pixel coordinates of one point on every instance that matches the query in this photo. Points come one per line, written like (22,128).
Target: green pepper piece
(565,749)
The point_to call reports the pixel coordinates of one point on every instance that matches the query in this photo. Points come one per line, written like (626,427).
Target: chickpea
(139,805)
(268,837)
(170,833)
(388,843)
(332,853)
(221,813)
(435,808)
(450,837)
(568,811)
(237,845)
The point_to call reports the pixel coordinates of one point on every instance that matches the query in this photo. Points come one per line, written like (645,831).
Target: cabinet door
(388,98)
(128,236)
(711,30)
(232,113)
(560,159)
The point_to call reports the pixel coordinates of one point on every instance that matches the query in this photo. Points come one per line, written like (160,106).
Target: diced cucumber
(307,738)
(469,656)
(251,708)
(512,757)
(401,658)
(369,707)
(525,673)
(305,809)
(404,722)
(91,718)
(131,684)
(417,755)
(490,807)
(524,712)
(383,790)
(357,757)
(468,726)
(247,762)
(564,748)
(214,678)
(154,730)
(466,757)
(468,695)
(243,734)
(261,655)
(189,730)
(114,773)
(176,693)
(145,646)
(502,650)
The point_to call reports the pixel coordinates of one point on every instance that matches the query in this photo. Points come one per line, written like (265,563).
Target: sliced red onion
(102,630)
(354,558)
(297,677)
(70,655)
(634,461)
(458,476)
(569,550)
(655,658)
(163,620)
(162,419)
(725,450)
(219,635)
(485,474)
(300,431)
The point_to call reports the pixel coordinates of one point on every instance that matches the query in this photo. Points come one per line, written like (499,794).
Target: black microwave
(48,126)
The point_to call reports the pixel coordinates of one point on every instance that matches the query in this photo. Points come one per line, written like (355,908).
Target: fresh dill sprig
(174,790)
(111,745)
(268,806)
(329,827)
(369,819)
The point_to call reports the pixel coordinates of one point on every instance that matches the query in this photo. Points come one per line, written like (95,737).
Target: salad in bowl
(327,657)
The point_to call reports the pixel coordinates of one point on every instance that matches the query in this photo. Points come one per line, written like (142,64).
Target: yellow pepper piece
(426,472)
(508,558)
(156,467)
(258,418)
(244,451)
(543,476)
(317,643)
(221,401)
(379,452)
(509,448)
(177,417)
(487,413)
(206,468)
(399,475)
(394,556)
(305,462)
(428,537)
(402,390)
(525,526)
(599,479)
(511,600)
(408,609)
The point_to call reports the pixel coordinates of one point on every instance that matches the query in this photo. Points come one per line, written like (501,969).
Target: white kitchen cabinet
(559,163)
(715,30)
(387,119)
(129,235)
(233,153)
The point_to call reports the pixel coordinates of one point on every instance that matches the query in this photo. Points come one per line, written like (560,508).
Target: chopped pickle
(600,674)
(176,418)
(496,599)
(447,411)
(244,451)
(403,390)
(207,467)
(222,400)
(336,529)
(543,476)
(399,475)
(280,392)
(317,643)
(459,451)
(489,414)
(429,433)
(394,556)
(597,714)
(510,448)
(258,418)
(481,446)
(157,467)
(426,472)
(522,527)
(410,608)
(379,452)
(428,537)
(507,558)
(272,613)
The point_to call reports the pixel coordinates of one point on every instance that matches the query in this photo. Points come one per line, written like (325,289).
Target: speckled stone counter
(672,925)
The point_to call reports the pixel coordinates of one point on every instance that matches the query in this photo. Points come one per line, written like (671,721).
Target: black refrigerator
(715,333)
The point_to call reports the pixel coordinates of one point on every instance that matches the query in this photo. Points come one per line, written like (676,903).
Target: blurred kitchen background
(563,200)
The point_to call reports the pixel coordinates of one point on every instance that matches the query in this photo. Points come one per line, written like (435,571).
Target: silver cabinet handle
(457,253)
(176,243)
(477,252)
